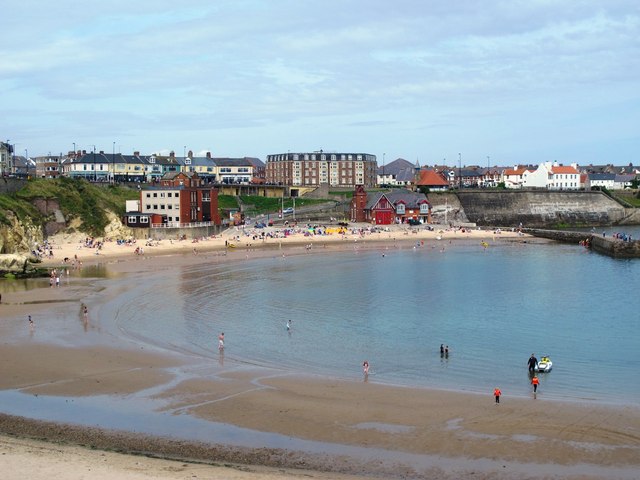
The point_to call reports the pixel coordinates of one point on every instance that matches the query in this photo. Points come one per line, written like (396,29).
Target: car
(287,210)
(414,221)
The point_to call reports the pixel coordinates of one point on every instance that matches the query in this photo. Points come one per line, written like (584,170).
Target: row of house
(547,175)
(116,167)
(312,169)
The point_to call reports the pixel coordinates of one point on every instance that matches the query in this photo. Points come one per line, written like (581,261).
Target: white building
(553,177)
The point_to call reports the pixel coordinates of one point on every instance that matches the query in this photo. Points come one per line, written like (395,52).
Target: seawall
(543,209)
(610,246)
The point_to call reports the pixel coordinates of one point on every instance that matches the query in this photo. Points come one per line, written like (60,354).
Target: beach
(308,425)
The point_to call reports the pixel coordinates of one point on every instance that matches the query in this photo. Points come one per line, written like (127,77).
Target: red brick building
(389,208)
(181,199)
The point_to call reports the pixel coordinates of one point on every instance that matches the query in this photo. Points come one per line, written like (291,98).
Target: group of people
(532,365)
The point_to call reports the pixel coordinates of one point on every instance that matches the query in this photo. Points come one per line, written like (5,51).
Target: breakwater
(613,247)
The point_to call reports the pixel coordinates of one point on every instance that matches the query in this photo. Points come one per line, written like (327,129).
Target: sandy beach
(313,427)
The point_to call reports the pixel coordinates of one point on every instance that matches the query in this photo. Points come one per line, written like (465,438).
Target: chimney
(208,154)
(101,152)
(172,154)
(136,153)
(190,155)
(84,152)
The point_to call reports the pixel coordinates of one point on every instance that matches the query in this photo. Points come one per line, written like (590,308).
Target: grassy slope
(77,198)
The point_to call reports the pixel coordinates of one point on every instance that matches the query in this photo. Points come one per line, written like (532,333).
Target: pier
(613,247)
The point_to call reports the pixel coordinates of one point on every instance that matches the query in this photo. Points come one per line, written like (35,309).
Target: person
(441,349)
(221,341)
(535,382)
(85,312)
(446,351)
(497,393)
(365,368)
(31,325)
(288,325)
(532,363)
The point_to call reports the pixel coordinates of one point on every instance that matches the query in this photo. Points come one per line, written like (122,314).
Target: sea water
(394,307)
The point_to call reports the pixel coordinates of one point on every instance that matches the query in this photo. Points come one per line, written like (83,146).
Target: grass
(20,208)
(80,199)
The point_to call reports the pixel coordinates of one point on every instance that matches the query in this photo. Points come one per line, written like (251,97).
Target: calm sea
(394,307)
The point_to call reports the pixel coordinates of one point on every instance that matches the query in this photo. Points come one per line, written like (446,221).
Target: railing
(182,225)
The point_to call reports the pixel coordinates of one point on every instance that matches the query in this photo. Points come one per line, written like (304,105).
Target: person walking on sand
(497,393)
(532,363)
(535,381)
(221,341)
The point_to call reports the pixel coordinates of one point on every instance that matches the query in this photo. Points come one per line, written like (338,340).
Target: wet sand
(304,426)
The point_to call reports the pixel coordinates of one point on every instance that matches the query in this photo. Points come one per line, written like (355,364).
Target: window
(400,208)
(144,219)
(155,194)
(131,220)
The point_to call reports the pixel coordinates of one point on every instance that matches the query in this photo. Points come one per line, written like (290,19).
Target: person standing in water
(288,325)
(497,393)
(365,368)
(535,381)
(532,363)
(221,341)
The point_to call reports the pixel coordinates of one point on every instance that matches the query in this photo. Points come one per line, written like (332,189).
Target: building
(514,177)
(181,198)
(48,166)
(399,173)
(390,208)
(6,158)
(314,169)
(432,180)
(234,170)
(553,177)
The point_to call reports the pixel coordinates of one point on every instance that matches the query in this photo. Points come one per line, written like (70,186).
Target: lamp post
(459,171)
(94,162)
(383,162)
(112,174)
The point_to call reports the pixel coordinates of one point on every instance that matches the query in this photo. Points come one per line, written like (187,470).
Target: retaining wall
(537,208)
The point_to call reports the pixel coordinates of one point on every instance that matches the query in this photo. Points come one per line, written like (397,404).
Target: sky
(449,82)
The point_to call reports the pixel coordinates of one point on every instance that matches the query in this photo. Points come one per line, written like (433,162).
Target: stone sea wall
(543,209)
(610,246)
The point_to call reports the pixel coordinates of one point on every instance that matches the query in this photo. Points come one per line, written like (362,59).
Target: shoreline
(369,429)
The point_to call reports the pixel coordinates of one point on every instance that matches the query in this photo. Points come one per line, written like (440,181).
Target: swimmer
(365,368)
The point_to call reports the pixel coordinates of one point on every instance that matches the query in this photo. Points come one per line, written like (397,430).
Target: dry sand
(370,429)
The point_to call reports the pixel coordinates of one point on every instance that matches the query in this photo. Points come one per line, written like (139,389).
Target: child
(497,393)
(535,382)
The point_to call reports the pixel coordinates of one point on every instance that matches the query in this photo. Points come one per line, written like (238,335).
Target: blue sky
(516,81)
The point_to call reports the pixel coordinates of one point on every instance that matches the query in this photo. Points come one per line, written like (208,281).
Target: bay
(394,307)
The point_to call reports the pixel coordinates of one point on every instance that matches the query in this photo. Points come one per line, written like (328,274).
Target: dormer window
(187,161)
(400,208)
(152,159)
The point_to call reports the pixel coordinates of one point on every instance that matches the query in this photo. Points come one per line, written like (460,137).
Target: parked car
(287,210)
